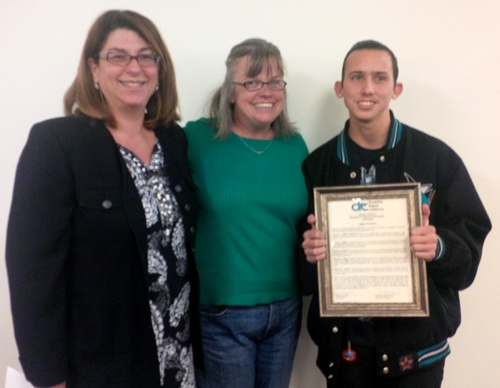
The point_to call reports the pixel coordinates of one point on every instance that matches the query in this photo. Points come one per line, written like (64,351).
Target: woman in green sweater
(246,160)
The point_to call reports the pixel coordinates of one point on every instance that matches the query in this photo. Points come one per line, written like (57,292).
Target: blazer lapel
(131,199)
(136,216)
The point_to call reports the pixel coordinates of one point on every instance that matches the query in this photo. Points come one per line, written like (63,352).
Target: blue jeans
(249,347)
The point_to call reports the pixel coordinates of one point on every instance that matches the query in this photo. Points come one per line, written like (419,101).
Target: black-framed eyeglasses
(123,59)
(257,85)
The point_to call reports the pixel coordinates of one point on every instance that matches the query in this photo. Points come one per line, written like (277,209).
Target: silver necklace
(253,149)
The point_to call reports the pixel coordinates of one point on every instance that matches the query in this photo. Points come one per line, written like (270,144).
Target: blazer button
(330,377)
(187,207)
(353,175)
(106,204)
(386,371)
(331,365)
(178,188)
(385,357)
(191,229)
(335,329)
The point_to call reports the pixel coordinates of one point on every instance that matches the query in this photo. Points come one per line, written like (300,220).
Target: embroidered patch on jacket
(368,177)
(425,188)
(406,363)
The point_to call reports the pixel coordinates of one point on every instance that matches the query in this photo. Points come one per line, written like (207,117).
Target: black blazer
(77,257)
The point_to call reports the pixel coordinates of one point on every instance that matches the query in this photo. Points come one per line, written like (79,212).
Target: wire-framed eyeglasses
(123,59)
(257,85)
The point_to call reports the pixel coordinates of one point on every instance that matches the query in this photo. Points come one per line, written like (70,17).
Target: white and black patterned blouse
(169,286)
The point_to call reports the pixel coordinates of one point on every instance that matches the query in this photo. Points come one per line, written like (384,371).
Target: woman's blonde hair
(260,54)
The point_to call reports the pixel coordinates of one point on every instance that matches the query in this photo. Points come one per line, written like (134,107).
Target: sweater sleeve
(308,271)
(38,237)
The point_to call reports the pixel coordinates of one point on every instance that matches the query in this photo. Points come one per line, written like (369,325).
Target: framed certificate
(370,270)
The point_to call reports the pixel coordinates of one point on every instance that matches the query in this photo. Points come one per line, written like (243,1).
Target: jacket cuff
(440,249)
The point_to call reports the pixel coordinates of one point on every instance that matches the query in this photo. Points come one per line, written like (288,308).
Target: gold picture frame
(370,270)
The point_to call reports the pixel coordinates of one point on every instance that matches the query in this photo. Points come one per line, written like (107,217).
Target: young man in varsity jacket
(374,147)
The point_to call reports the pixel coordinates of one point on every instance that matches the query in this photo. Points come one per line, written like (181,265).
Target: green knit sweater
(249,204)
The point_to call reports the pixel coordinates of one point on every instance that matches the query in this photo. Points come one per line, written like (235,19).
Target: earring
(96,86)
(157,87)
(145,111)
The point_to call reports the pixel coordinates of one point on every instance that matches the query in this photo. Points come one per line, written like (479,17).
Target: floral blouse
(169,285)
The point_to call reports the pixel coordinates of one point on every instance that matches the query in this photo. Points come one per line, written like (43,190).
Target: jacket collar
(395,131)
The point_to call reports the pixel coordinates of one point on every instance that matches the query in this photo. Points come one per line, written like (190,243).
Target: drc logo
(359,206)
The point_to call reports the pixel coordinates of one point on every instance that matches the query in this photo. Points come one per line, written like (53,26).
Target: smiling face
(125,88)
(254,111)
(368,86)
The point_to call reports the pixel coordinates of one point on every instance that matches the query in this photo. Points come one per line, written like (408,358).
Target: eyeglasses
(123,59)
(257,85)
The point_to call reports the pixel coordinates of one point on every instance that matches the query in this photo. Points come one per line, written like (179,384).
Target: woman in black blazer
(104,290)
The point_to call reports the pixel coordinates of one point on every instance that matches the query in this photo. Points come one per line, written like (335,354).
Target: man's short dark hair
(373,45)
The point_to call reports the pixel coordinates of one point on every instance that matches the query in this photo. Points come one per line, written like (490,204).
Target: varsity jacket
(405,344)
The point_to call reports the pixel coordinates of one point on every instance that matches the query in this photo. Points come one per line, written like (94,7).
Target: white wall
(449,55)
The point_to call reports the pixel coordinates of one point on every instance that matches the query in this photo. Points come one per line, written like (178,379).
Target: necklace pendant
(258,152)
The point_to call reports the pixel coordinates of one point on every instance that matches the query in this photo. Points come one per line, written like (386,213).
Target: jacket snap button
(106,204)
